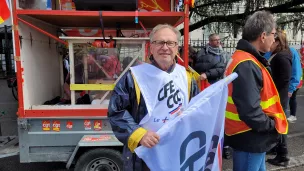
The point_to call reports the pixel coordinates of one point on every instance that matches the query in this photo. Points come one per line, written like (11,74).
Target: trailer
(77,133)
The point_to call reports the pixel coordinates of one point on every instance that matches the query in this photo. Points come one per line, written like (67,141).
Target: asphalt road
(8,127)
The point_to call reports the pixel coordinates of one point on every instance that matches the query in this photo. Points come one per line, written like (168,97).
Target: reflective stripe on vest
(270,101)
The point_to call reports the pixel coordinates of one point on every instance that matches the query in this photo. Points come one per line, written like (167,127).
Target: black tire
(100,159)
(15,92)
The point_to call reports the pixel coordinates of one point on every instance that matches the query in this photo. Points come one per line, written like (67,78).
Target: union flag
(4,11)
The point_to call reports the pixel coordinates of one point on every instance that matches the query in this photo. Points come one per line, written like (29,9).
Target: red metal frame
(96,13)
(42,31)
(143,27)
(79,112)
(18,62)
(186,32)
(179,22)
(66,113)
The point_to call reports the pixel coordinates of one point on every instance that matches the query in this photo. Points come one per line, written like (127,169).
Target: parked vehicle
(54,124)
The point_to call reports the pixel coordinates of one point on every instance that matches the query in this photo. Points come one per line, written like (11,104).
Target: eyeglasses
(161,43)
(275,35)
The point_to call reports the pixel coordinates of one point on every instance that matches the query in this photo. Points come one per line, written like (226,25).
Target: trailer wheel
(100,159)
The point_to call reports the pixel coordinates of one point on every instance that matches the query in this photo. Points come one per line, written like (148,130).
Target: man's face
(164,46)
(215,41)
(268,40)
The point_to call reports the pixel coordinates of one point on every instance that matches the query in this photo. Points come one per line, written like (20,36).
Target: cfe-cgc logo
(46,125)
(98,125)
(69,125)
(87,125)
(56,126)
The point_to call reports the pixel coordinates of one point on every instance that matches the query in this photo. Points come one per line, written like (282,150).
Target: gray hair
(212,35)
(163,26)
(256,24)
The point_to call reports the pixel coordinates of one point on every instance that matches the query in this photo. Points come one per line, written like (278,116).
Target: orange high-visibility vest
(4,11)
(270,101)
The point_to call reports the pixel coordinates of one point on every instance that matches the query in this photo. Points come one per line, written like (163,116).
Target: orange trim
(231,108)
(232,129)
(44,32)
(219,155)
(18,63)
(65,113)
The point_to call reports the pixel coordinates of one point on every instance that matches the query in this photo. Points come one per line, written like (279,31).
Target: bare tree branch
(285,6)
(290,21)
(293,10)
(282,8)
(217,2)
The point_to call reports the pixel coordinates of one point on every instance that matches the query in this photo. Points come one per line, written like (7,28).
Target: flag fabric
(4,11)
(192,141)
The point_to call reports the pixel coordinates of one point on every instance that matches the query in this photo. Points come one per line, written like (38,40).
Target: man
(149,96)
(210,63)
(254,115)
(211,60)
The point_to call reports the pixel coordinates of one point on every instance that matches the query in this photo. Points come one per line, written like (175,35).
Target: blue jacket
(267,55)
(296,73)
(125,113)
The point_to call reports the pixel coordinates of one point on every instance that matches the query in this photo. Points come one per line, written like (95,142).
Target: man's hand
(150,139)
(289,94)
(203,76)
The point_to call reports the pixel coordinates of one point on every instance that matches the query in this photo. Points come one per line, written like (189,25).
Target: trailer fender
(94,141)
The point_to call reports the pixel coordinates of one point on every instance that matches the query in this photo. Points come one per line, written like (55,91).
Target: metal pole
(72,71)
(42,31)
(186,33)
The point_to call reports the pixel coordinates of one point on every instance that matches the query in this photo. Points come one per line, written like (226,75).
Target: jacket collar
(153,62)
(244,45)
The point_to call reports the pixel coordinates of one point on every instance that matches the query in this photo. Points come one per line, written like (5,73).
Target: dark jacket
(281,67)
(124,115)
(246,97)
(211,64)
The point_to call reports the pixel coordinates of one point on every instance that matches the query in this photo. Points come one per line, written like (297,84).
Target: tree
(230,15)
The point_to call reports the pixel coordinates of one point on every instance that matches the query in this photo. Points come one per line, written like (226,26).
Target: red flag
(204,84)
(4,11)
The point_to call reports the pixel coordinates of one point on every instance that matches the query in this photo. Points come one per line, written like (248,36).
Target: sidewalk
(8,110)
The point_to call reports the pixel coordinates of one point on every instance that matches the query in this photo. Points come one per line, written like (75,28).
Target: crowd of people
(256,120)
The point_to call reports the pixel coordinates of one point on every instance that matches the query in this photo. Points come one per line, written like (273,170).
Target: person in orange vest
(254,116)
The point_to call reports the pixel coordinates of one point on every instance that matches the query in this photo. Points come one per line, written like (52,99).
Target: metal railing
(229,45)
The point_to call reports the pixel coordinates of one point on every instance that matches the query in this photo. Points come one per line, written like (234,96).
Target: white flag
(193,141)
